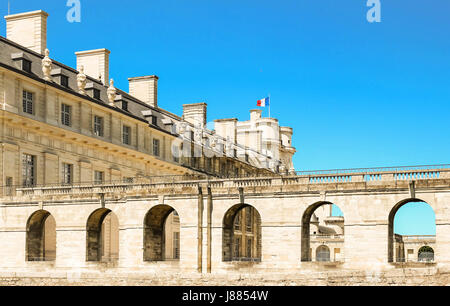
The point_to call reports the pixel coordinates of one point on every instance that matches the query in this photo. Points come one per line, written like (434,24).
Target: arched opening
(426,254)
(322,227)
(161,234)
(323,253)
(241,234)
(41,237)
(411,225)
(102,236)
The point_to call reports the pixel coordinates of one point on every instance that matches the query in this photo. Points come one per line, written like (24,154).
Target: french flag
(263,102)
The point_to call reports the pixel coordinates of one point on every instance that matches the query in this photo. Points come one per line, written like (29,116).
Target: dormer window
(59,77)
(26,65)
(64,81)
(125,105)
(96,93)
(22,61)
(154,120)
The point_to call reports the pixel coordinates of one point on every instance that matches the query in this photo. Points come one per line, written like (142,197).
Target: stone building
(71,127)
(99,182)
(63,125)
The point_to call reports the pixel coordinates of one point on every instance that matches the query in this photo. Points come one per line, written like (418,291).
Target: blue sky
(357,94)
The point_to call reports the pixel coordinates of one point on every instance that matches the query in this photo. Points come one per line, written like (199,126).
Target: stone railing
(332,177)
(419,238)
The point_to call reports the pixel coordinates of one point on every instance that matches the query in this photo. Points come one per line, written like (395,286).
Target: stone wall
(402,276)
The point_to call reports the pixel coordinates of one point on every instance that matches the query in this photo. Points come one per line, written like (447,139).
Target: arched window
(322,222)
(102,236)
(426,254)
(241,234)
(161,234)
(323,253)
(411,221)
(41,237)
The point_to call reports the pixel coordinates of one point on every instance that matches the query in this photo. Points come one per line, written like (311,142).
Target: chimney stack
(95,63)
(145,89)
(195,113)
(28,29)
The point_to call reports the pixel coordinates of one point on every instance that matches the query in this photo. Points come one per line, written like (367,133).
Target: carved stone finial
(111,93)
(81,81)
(47,66)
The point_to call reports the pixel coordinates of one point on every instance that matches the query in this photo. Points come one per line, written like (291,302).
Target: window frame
(100,125)
(126,134)
(66,114)
(27,102)
(156,146)
(67,174)
(29,171)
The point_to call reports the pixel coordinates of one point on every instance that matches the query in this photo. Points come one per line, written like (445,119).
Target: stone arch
(425,253)
(157,232)
(41,237)
(244,243)
(102,236)
(306,254)
(391,236)
(322,253)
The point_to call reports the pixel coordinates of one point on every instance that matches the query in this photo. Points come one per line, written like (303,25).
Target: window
(176,245)
(99,177)
(66,111)
(125,105)
(249,247)
(27,100)
(237,245)
(96,93)
(26,65)
(64,81)
(156,147)
(28,170)
(154,120)
(208,163)
(98,126)
(237,222)
(9,185)
(246,158)
(67,173)
(126,135)
(249,219)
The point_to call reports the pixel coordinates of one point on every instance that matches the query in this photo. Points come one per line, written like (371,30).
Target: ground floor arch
(41,237)
(102,236)
(161,234)
(241,234)
(322,233)
(406,247)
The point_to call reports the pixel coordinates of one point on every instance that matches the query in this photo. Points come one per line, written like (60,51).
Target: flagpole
(270,102)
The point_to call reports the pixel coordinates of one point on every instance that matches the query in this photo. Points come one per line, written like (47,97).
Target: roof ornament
(81,81)
(111,92)
(47,66)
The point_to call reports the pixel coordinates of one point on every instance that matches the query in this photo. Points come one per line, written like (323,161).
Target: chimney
(96,64)
(28,29)
(195,113)
(255,114)
(145,89)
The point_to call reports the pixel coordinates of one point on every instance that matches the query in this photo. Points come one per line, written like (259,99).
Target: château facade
(98,179)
